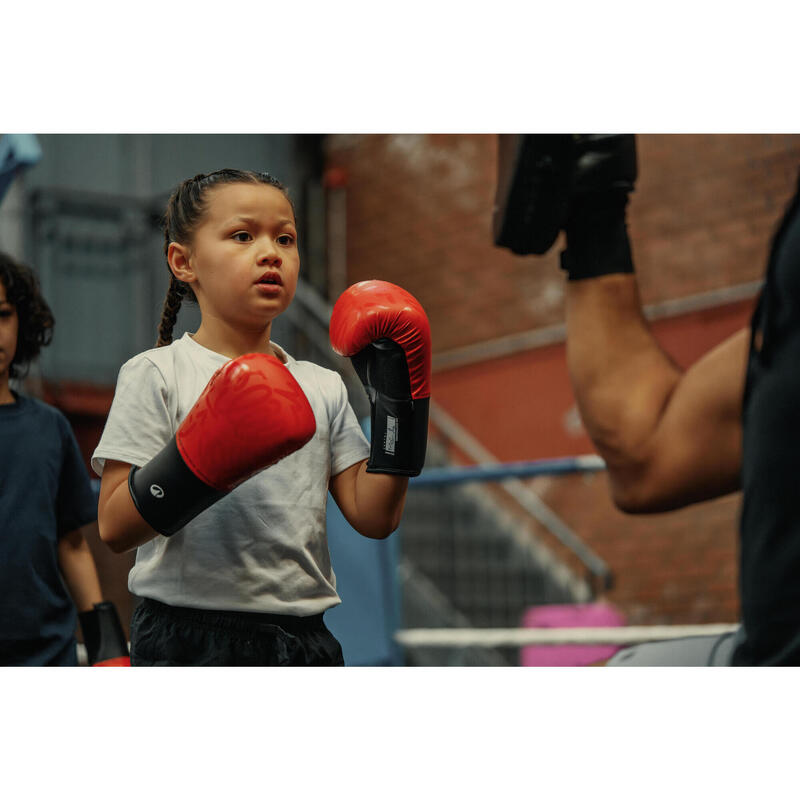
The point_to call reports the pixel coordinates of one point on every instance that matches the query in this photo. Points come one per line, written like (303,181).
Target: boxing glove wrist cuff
(399,432)
(103,635)
(597,238)
(167,493)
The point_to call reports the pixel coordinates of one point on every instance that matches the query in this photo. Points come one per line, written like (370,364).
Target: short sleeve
(139,423)
(348,443)
(76,503)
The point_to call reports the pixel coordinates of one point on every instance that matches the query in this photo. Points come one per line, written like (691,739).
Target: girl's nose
(268,254)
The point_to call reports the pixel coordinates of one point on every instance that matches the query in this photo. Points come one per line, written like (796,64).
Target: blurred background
(416,210)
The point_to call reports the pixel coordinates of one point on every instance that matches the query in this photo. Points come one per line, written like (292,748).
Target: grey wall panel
(178,157)
(146,165)
(93,214)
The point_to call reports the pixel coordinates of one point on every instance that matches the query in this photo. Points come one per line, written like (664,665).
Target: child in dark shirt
(46,568)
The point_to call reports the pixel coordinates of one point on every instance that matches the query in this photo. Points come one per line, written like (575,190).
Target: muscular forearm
(669,437)
(621,377)
(78,569)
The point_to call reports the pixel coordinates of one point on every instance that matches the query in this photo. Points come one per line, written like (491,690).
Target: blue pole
(440,476)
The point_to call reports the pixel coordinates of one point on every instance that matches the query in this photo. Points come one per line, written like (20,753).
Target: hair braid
(172,304)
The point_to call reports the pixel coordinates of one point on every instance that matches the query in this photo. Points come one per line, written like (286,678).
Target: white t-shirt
(264,546)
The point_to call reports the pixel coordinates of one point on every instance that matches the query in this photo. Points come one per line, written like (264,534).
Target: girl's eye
(286,239)
(242,236)
(4,313)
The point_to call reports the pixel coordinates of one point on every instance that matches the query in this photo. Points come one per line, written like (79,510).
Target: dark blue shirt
(44,494)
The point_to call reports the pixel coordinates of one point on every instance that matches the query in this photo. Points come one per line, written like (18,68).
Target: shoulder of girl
(153,363)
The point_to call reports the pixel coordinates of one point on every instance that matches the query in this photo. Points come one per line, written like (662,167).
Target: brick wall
(705,208)
(419,214)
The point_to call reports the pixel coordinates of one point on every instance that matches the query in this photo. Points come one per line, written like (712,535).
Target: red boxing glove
(251,414)
(384,331)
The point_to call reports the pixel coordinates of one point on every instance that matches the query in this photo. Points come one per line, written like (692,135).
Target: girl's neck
(233,342)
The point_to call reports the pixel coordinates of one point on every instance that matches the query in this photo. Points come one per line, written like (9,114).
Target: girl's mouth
(270,279)
(269,289)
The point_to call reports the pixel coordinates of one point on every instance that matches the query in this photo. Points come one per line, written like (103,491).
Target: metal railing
(489,468)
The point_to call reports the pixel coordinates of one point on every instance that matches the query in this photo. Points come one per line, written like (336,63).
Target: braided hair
(185,208)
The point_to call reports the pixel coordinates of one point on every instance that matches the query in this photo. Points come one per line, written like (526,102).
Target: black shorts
(168,636)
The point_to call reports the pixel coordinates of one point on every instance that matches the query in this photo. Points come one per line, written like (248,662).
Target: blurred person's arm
(78,568)
(669,437)
(121,526)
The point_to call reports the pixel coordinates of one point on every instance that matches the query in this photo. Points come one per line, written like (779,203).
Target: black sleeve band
(597,237)
(399,436)
(399,423)
(167,493)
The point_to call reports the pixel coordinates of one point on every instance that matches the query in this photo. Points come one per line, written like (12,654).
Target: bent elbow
(629,503)
(380,530)
(642,497)
(111,543)
(110,537)
(631,493)
(117,547)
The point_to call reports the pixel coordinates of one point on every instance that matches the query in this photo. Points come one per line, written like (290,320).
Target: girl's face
(243,261)
(9,329)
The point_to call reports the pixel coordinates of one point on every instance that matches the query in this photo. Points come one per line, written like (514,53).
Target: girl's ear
(178,260)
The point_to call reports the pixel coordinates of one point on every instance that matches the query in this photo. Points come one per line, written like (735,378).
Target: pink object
(583,615)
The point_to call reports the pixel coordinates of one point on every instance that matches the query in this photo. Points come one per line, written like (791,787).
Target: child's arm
(103,635)
(121,526)
(385,332)
(371,502)
(251,414)
(78,569)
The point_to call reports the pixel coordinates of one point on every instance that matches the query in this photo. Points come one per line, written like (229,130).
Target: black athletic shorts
(168,636)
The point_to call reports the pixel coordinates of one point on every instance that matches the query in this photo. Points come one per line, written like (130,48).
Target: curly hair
(35,317)
(185,210)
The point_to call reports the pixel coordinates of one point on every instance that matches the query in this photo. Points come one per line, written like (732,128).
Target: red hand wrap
(251,414)
(119,661)
(372,310)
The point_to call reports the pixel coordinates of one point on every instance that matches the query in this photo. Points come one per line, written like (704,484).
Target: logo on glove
(156,491)
(390,439)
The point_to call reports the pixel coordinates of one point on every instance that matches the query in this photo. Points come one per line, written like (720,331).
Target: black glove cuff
(597,237)
(399,435)
(399,423)
(102,633)
(167,493)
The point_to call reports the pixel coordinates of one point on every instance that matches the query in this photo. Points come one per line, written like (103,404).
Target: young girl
(46,567)
(232,560)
